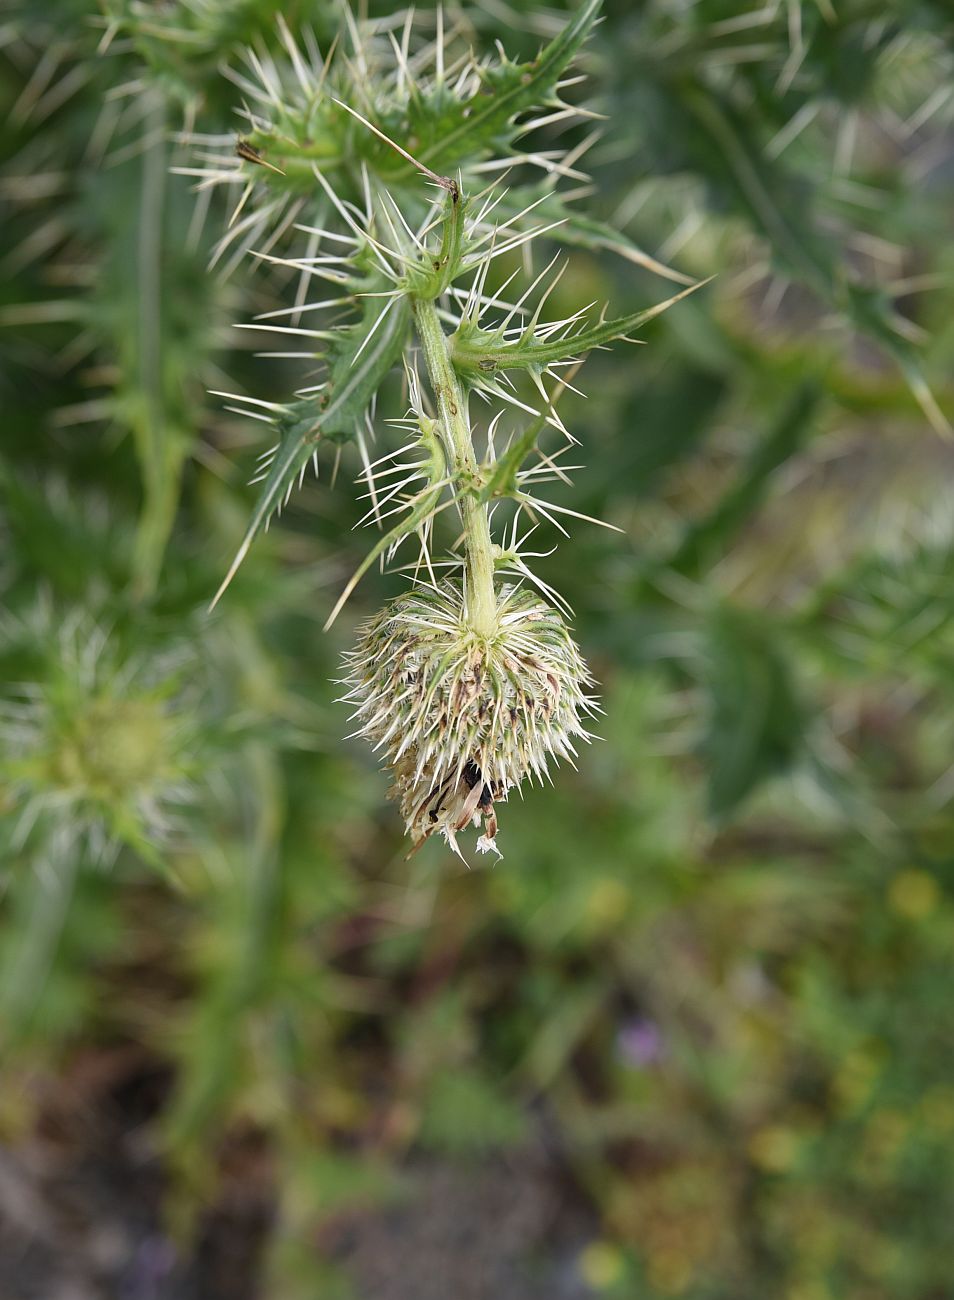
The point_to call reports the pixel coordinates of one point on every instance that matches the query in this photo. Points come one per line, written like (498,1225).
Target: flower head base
(463,717)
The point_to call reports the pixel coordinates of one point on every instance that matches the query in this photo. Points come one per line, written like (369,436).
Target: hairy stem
(455,432)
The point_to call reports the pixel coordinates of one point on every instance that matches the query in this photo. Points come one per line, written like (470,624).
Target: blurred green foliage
(715,962)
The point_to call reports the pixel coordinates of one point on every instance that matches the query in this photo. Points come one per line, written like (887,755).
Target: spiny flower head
(97,753)
(463,717)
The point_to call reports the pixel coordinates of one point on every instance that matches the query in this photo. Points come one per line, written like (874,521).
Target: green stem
(455,432)
(159,442)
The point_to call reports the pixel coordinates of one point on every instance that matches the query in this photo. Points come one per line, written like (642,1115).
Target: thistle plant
(98,753)
(767,830)
(380,154)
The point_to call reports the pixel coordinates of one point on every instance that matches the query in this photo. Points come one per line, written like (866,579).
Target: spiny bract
(464,717)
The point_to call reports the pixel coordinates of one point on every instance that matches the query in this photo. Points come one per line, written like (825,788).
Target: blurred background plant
(693,1036)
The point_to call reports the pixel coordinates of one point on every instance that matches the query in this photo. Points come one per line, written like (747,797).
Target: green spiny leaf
(779,206)
(299,433)
(477,353)
(888,614)
(486,122)
(363,355)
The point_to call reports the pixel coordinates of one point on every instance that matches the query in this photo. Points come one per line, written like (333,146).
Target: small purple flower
(640,1043)
(153,1263)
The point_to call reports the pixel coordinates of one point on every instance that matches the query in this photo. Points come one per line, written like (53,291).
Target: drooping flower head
(463,717)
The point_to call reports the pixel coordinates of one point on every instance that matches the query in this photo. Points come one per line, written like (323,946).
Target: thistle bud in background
(462,717)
